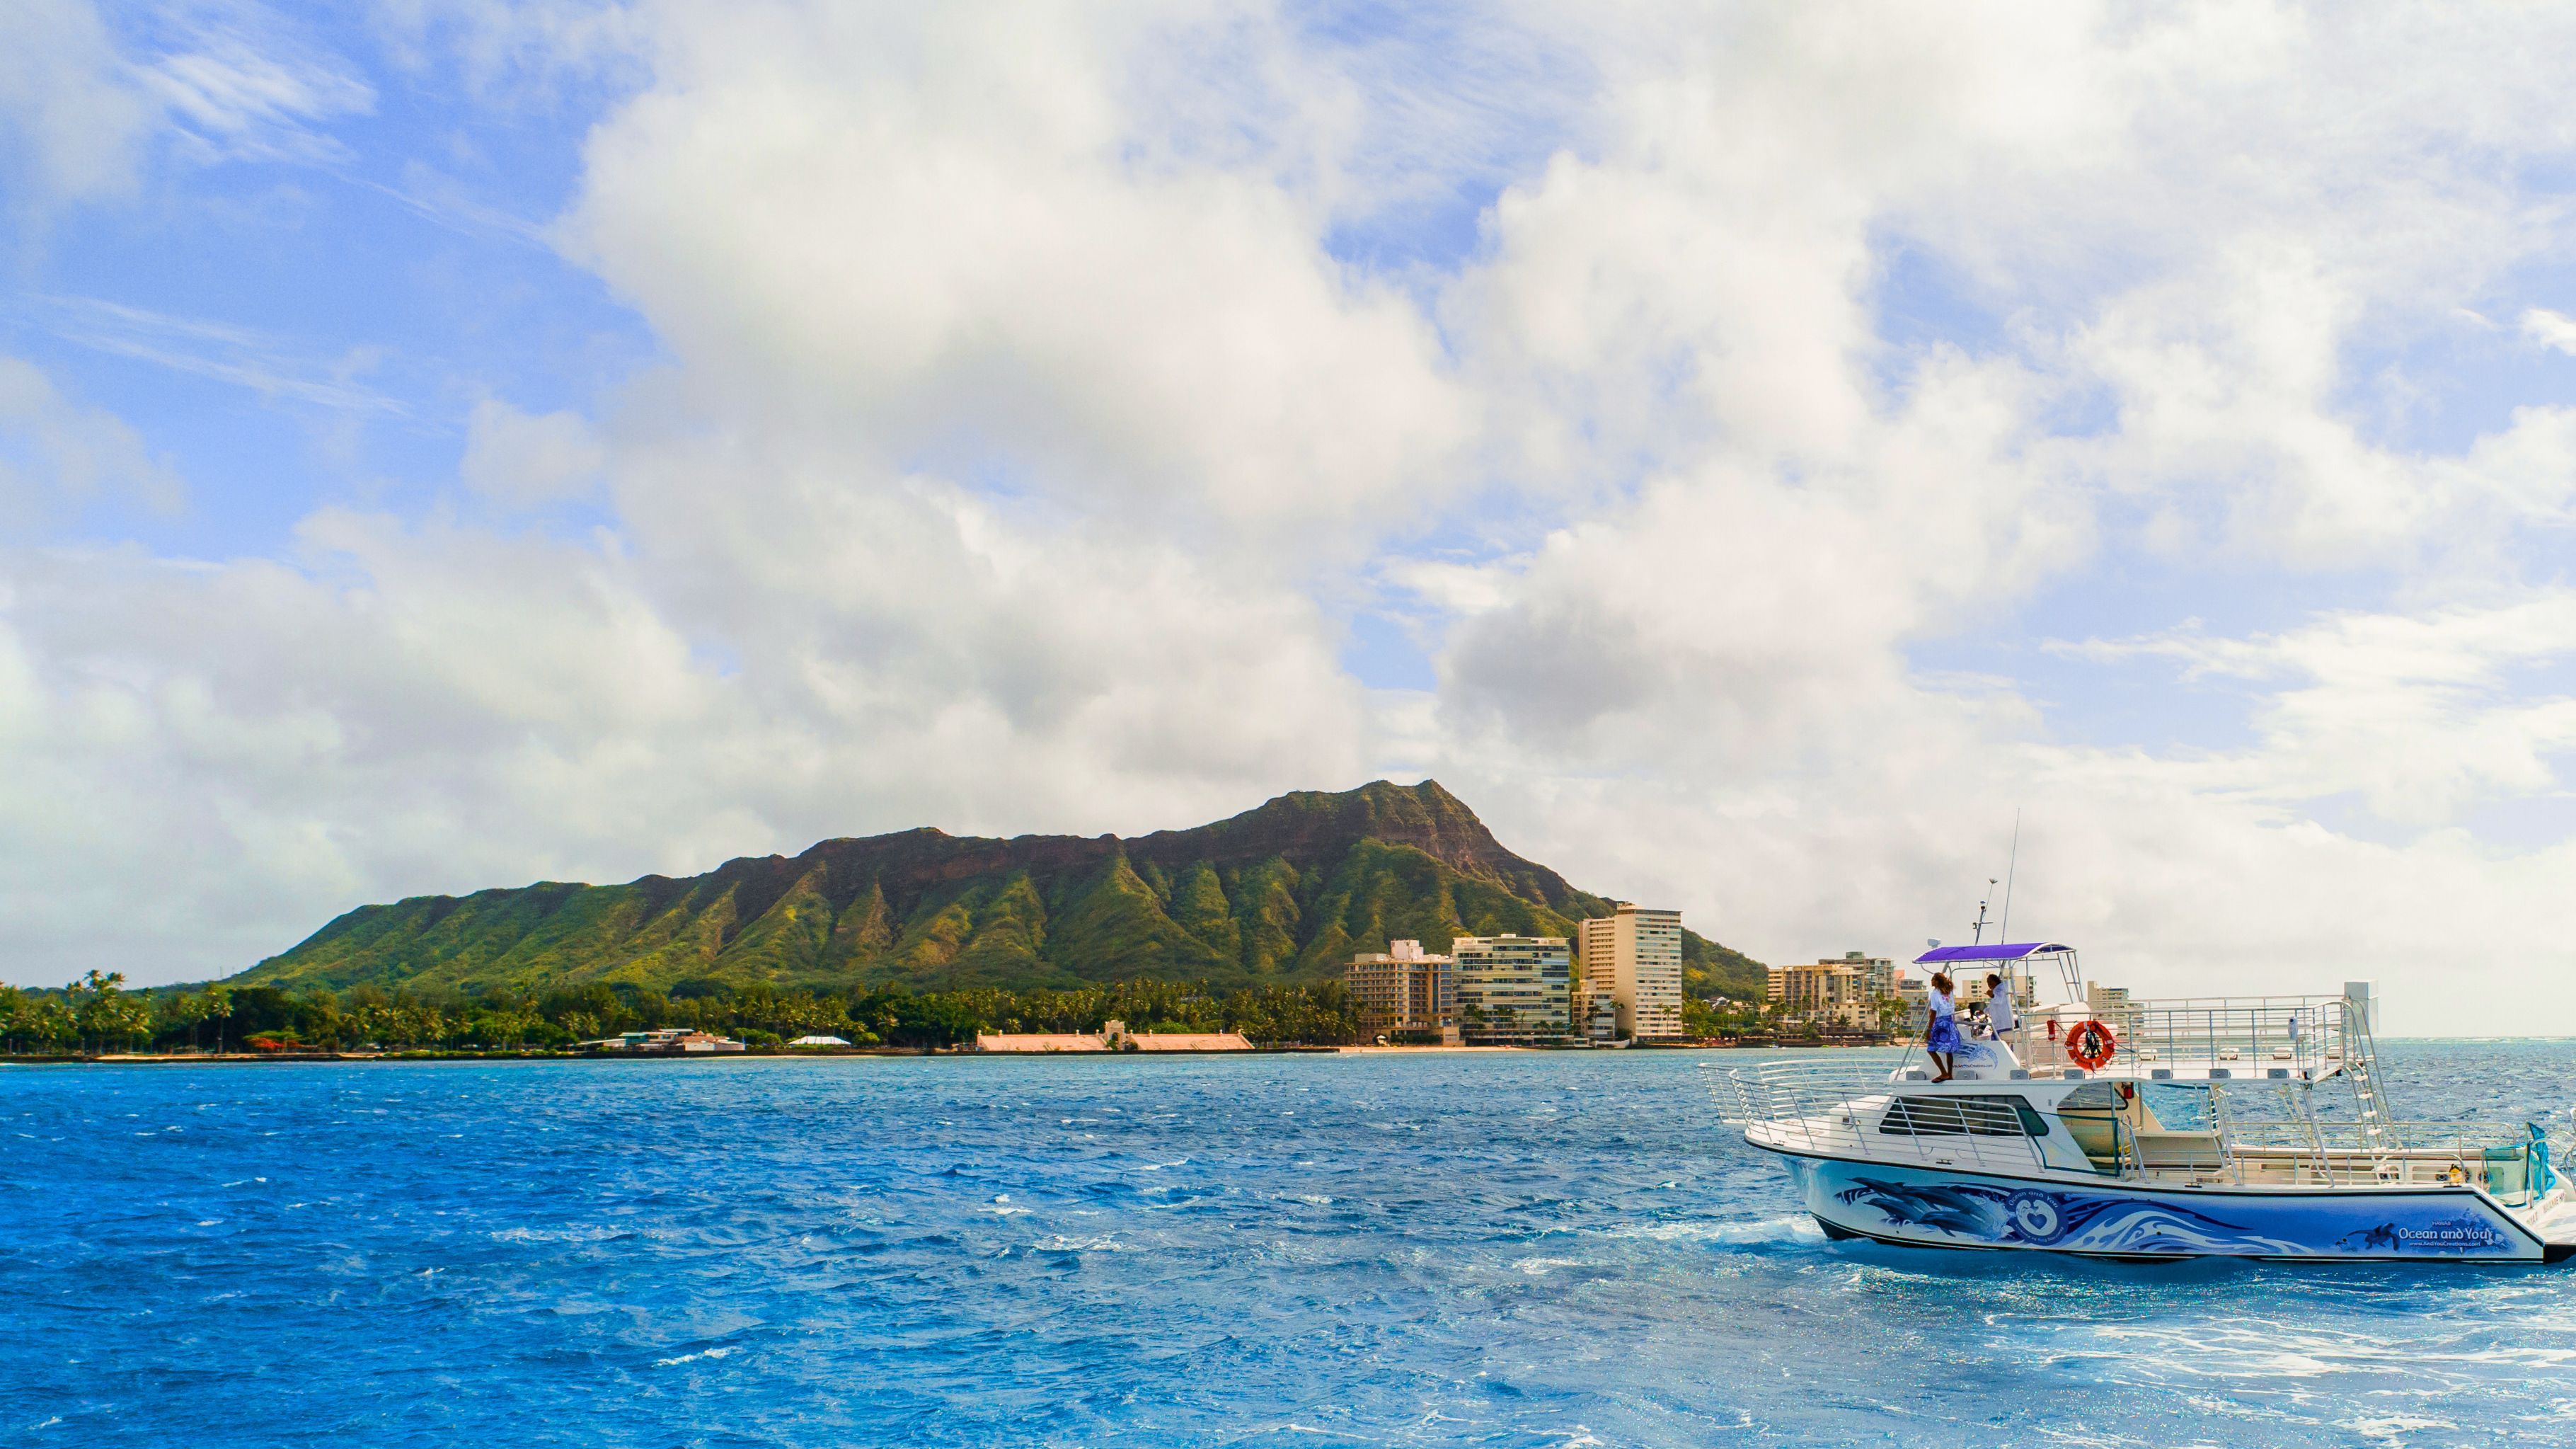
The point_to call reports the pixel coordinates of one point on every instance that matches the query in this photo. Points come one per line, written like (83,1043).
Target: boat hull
(1937,1209)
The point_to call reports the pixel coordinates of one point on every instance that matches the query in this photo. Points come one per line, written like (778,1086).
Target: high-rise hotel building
(1403,988)
(1635,958)
(1514,988)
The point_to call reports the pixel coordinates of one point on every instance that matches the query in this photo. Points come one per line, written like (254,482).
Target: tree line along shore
(99,1014)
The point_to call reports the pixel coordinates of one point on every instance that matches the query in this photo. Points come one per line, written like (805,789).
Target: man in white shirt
(1999,1005)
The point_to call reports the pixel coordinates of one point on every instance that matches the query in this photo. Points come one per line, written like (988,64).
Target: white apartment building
(1635,958)
(1513,988)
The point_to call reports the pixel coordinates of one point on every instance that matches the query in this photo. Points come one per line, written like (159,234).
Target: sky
(1792,462)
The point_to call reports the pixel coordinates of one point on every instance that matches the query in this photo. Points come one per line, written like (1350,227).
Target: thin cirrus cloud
(1040,395)
(231,97)
(245,357)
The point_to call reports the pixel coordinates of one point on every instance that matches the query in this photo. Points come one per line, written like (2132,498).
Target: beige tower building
(1635,958)
(1403,988)
(1843,992)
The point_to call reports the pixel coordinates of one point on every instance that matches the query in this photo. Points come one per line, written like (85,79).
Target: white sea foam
(1784,1228)
(693,1357)
(575,1233)
(2395,1427)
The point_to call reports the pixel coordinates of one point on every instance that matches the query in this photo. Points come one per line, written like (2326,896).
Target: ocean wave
(1783,1228)
(704,1353)
(2396,1428)
(579,1233)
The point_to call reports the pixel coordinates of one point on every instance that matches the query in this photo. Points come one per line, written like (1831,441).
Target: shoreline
(175,1059)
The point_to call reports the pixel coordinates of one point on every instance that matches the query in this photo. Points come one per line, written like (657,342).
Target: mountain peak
(1283,892)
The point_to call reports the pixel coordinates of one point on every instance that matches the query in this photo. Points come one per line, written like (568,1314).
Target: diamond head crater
(1280,895)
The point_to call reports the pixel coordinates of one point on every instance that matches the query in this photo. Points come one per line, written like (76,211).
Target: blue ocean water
(1539,1249)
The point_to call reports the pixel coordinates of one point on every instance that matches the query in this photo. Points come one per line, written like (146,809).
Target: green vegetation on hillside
(1280,896)
(1711,970)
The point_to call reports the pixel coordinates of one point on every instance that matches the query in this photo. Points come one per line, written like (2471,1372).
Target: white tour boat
(2243,1126)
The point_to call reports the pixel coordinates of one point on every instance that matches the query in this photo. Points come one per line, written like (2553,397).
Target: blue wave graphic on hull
(2083,1222)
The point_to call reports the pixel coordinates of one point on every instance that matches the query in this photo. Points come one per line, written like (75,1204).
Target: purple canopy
(1996,952)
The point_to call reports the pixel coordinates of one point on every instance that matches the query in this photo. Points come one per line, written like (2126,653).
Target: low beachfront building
(1187,1041)
(1038,1041)
(663,1041)
(1596,1012)
(1403,988)
(1514,990)
(1113,1036)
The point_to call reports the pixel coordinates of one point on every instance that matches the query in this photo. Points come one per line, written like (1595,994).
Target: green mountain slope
(1281,894)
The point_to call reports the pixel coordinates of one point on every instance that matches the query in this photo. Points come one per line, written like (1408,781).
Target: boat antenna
(2003,932)
(1980,938)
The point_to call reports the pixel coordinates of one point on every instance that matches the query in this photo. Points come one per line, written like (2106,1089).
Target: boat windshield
(1984,1116)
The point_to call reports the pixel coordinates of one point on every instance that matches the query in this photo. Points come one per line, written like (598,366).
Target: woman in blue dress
(1941,1034)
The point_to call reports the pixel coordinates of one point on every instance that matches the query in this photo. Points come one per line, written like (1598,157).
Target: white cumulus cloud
(1737,400)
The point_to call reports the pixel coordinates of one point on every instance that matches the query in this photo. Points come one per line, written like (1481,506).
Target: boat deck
(2437,1154)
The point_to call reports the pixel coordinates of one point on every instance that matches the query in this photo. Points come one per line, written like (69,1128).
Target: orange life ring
(2090,1044)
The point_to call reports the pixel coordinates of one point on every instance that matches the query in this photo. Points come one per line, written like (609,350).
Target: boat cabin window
(2092,1097)
(2091,1114)
(2180,1109)
(1962,1117)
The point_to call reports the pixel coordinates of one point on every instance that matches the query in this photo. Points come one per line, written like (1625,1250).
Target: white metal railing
(1757,1093)
(1842,1108)
(2342,1152)
(2306,1036)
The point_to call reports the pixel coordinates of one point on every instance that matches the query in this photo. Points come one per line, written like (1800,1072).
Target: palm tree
(95,1005)
(219,1005)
